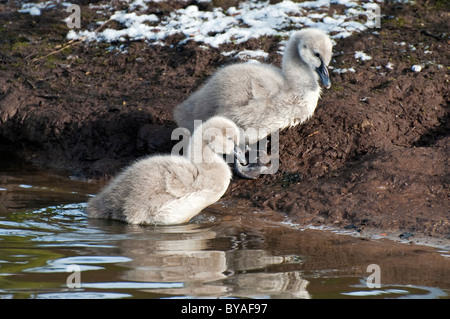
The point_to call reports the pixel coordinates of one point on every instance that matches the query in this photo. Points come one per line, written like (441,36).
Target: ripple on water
(83,295)
(62,264)
(399,292)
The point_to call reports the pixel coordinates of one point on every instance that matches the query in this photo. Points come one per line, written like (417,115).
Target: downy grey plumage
(262,97)
(171,189)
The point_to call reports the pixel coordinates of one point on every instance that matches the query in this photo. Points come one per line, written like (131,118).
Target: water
(50,249)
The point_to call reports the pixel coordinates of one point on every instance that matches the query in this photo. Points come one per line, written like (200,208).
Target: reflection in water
(184,254)
(276,285)
(203,272)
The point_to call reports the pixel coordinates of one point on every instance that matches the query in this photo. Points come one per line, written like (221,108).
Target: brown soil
(375,154)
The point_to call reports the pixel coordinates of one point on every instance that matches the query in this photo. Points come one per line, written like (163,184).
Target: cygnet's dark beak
(323,74)
(239,155)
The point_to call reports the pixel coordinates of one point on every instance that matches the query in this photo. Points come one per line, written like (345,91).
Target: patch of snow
(416,68)
(35,9)
(251,19)
(247,54)
(362,56)
(344,70)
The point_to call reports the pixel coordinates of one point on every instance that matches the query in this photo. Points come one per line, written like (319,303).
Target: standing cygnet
(261,97)
(171,189)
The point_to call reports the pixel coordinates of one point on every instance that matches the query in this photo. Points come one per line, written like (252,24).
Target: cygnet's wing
(242,87)
(178,175)
(241,83)
(266,82)
(246,91)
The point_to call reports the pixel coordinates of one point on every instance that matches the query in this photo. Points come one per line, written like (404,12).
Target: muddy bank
(375,155)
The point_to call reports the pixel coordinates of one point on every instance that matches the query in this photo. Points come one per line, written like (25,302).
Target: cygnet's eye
(317,54)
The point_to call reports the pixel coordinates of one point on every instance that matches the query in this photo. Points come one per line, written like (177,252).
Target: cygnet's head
(222,136)
(315,49)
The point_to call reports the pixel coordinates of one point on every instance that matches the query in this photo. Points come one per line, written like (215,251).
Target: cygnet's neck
(299,75)
(199,151)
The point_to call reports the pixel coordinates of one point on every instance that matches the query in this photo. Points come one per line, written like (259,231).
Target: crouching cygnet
(262,99)
(171,189)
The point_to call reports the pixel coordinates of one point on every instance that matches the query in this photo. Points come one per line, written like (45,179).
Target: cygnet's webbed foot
(250,171)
